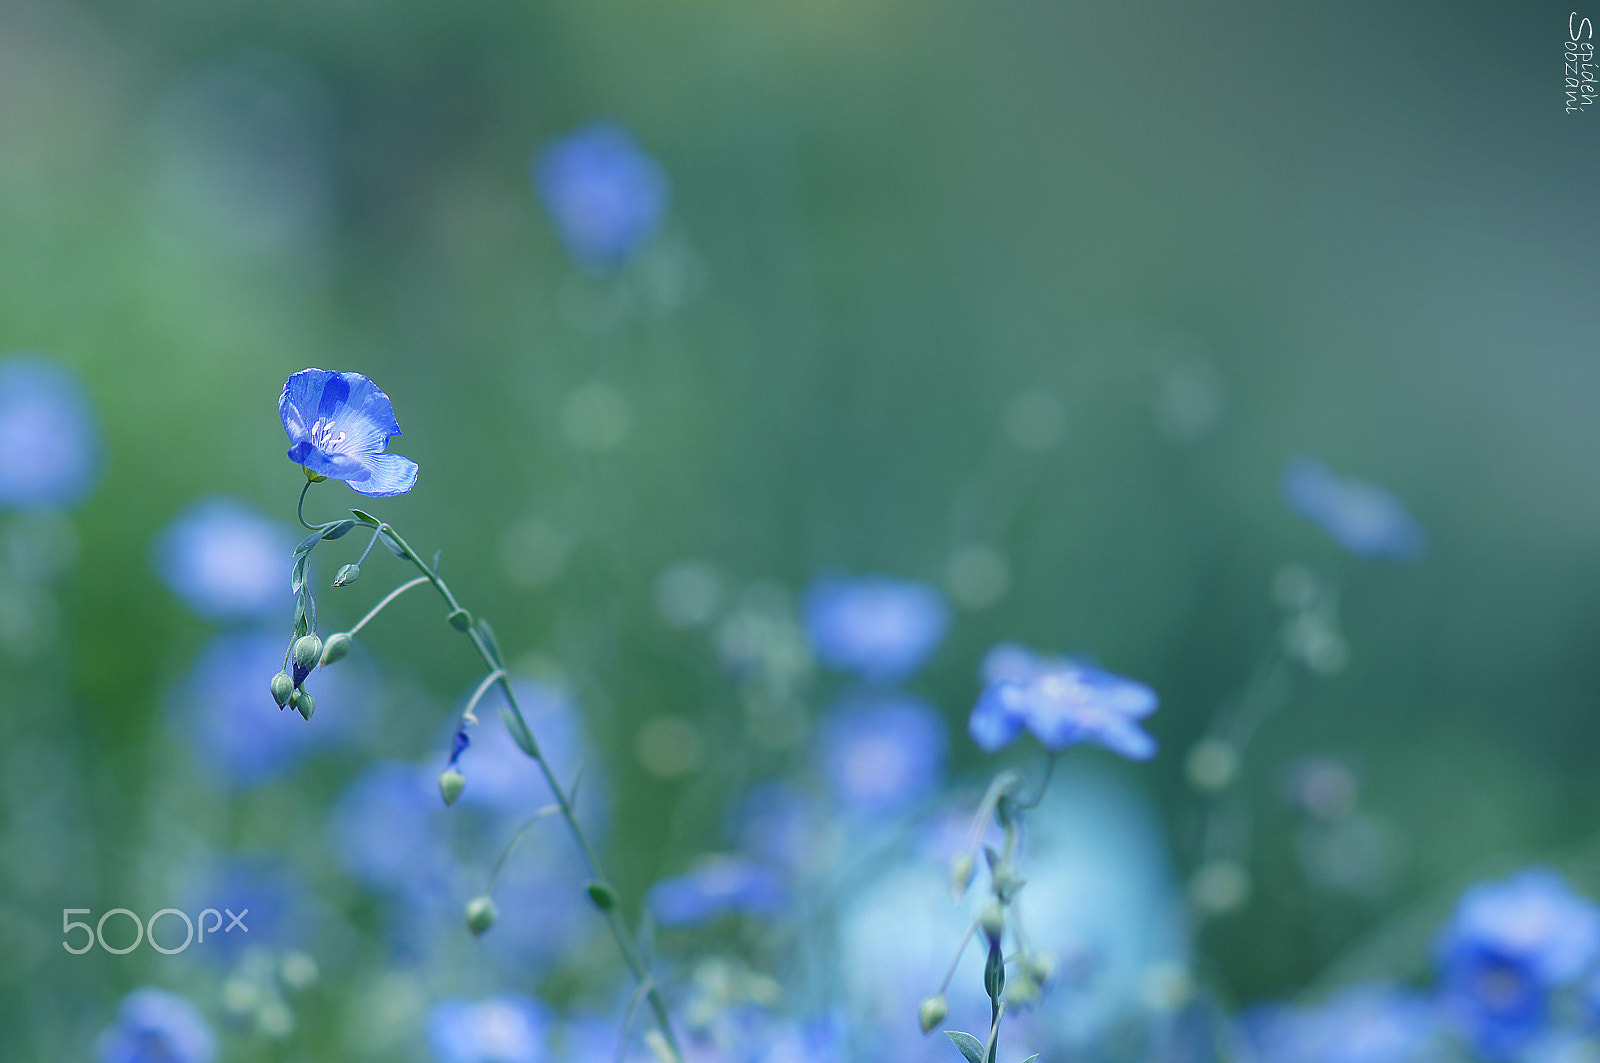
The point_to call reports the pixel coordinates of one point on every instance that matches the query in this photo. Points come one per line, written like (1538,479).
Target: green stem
(391,596)
(625,943)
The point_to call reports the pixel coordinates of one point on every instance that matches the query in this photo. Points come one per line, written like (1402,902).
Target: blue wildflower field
(817,533)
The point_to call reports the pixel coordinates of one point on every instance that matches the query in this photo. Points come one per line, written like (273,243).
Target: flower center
(322,436)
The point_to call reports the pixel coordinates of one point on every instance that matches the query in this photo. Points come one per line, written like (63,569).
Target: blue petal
(389,474)
(993,724)
(367,399)
(300,401)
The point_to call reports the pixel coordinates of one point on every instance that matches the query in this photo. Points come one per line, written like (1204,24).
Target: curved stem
(961,948)
(391,596)
(300,510)
(625,943)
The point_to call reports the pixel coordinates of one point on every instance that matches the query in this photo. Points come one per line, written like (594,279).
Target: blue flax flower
(507,1028)
(604,194)
(1507,947)
(1362,517)
(880,629)
(1363,1024)
(1062,702)
(225,560)
(725,884)
(155,1026)
(882,754)
(340,425)
(49,446)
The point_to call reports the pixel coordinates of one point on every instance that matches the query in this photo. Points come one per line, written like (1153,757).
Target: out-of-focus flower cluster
(1517,977)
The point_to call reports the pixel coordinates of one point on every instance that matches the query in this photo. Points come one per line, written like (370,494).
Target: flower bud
(305,653)
(993,922)
(1023,992)
(1041,967)
(335,648)
(451,784)
(602,896)
(305,703)
(346,575)
(461,620)
(961,871)
(933,1012)
(282,688)
(481,914)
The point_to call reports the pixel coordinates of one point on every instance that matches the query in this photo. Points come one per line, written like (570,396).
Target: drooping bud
(961,871)
(481,914)
(993,922)
(282,688)
(461,620)
(305,703)
(1024,990)
(451,783)
(305,654)
(336,647)
(933,1012)
(1041,967)
(347,575)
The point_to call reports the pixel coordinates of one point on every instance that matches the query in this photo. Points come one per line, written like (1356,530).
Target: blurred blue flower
(880,629)
(506,1028)
(1507,946)
(779,823)
(49,443)
(340,425)
(882,754)
(1362,517)
(387,829)
(224,710)
(604,194)
(1363,1024)
(280,907)
(1062,702)
(155,1026)
(225,560)
(722,885)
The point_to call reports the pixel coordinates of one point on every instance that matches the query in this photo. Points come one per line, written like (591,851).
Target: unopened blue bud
(305,654)
(451,783)
(347,575)
(305,703)
(933,1012)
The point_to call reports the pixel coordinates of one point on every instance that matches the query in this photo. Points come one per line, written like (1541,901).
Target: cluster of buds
(288,688)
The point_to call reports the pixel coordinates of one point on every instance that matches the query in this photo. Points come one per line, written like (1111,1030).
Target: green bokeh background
(1366,229)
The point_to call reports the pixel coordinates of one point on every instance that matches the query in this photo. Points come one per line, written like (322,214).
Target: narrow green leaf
(338,529)
(394,547)
(364,515)
(1031,1058)
(519,733)
(302,622)
(490,642)
(304,546)
(437,554)
(970,1046)
(297,575)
